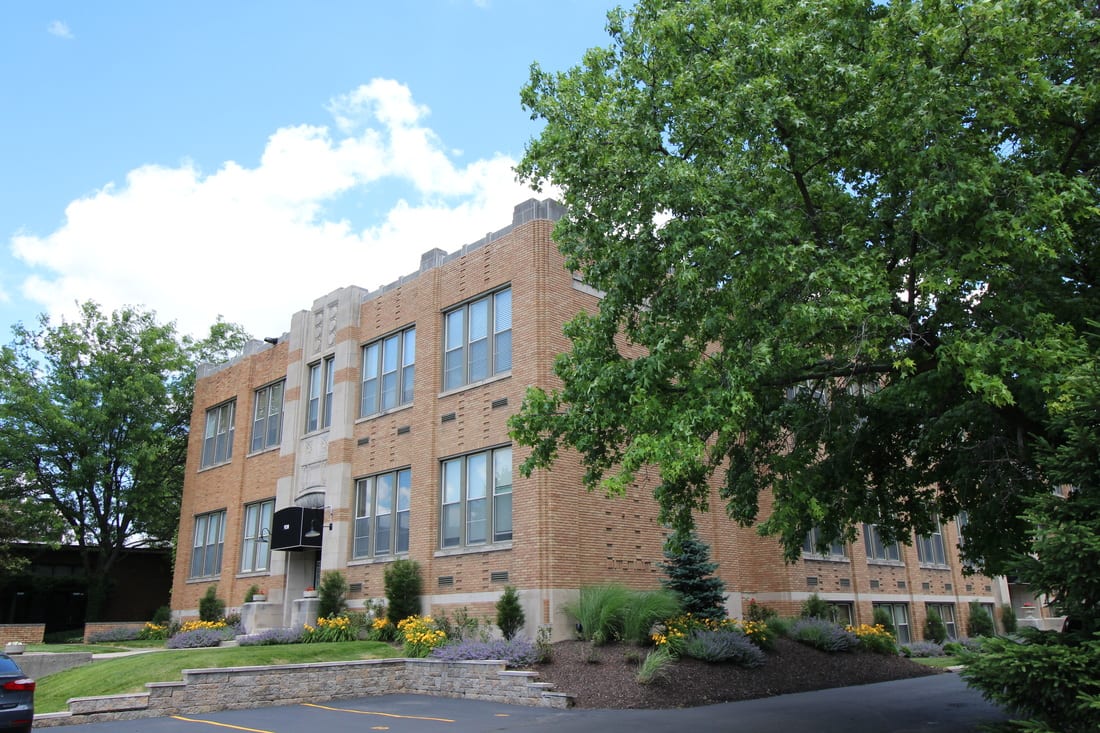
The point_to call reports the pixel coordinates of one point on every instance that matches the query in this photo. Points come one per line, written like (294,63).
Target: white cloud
(258,244)
(59,29)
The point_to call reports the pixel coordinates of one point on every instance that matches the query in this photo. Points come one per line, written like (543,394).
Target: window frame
(460,356)
(256,517)
(263,397)
(404,371)
(810,551)
(365,526)
(878,550)
(212,454)
(929,544)
(951,624)
(320,385)
(494,498)
(203,521)
(902,629)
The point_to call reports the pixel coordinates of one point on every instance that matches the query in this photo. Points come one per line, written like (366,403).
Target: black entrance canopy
(297,528)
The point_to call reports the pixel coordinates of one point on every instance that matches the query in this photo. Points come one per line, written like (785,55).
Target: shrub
(381,629)
(211,608)
(463,626)
(815,607)
(197,637)
(513,652)
(934,628)
(656,665)
(760,612)
(153,632)
(643,610)
(420,635)
(759,634)
(269,637)
(881,617)
(691,577)
(1008,618)
(330,628)
(724,646)
(598,611)
(875,639)
(675,632)
(981,623)
(779,627)
(823,635)
(252,590)
(542,644)
(510,617)
(332,595)
(162,616)
(1048,677)
(921,649)
(402,583)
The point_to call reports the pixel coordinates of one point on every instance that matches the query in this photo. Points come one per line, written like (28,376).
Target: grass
(114,646)
(940,662)
(123,675)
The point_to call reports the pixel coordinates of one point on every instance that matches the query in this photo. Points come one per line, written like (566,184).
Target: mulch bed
(605,676)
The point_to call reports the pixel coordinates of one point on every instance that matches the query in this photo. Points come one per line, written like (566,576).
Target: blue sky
(244,158)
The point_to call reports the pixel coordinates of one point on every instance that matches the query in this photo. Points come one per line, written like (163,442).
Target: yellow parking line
(369,712)
(220,725)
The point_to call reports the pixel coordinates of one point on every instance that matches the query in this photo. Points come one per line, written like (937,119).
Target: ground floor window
(899,617)
(840,612)
(476,499)
(946,612)
(256,539)
(206,547)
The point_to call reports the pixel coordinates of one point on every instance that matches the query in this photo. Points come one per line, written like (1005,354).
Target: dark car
(16,697)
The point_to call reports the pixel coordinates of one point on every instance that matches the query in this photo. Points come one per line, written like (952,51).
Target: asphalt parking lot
(937,704)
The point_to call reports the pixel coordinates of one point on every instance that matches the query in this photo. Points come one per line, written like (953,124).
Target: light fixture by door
(312,531)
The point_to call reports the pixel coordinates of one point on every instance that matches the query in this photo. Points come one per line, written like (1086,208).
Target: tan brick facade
(563,538)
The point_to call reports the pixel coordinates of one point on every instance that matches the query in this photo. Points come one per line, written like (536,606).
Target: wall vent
(969,587)
(362,441)
(498,576)
(446,581)
(948,586)
(926,586)
(355,588)
(811,580)
(448,417)
(502,402)
(988,589)
(874,584)
(845,583)
(404,429)
(901,584)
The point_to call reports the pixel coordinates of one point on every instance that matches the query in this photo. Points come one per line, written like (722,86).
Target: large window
(267,417)
(206,547)
(877,549)
(388,367)
(946,612)
(382,514)
(478,340)
(256,539)
(833,551)
(899,617)
(840,612)
(319,408)
(477,499)
(930,550)
(217,444)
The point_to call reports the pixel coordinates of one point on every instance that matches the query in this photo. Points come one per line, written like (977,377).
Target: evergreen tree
(510,616)
(691,576)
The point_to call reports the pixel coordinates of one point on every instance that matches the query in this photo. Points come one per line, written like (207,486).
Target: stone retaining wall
(26,633)
(235,688)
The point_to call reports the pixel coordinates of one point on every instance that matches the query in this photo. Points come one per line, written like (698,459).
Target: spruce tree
(691,576)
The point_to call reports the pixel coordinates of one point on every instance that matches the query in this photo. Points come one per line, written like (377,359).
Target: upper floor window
(255,544)
(478,340)
(319,408)
(382,514)
(477,499)
(877,548)
(267,417)
(206,546)
(930,549)
(388,367)
(834,550)
(217,444)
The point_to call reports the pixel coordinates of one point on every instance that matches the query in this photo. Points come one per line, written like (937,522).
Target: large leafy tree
(94,415)
(848,250)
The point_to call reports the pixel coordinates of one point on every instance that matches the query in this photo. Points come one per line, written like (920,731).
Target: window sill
(384,413)
(377,560)
(265,573)
(887,563)
(933,566)
(212,466)
(204,578)
(269,449)
(472,385)
(473,549)
(825,558)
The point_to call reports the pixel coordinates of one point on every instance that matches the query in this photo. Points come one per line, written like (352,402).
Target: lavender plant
(823,635)
(726,645)
(513,652)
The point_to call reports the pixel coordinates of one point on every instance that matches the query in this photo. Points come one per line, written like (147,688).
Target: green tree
(510,616)
(847,252)
(691,577)
(402,582)
(94,415)
(332,594)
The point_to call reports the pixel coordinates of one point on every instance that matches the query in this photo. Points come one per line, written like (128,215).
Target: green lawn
(129,674)
(937,661)
(114,646)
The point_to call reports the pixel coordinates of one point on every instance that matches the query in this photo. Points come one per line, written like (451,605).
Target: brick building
(375,428)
